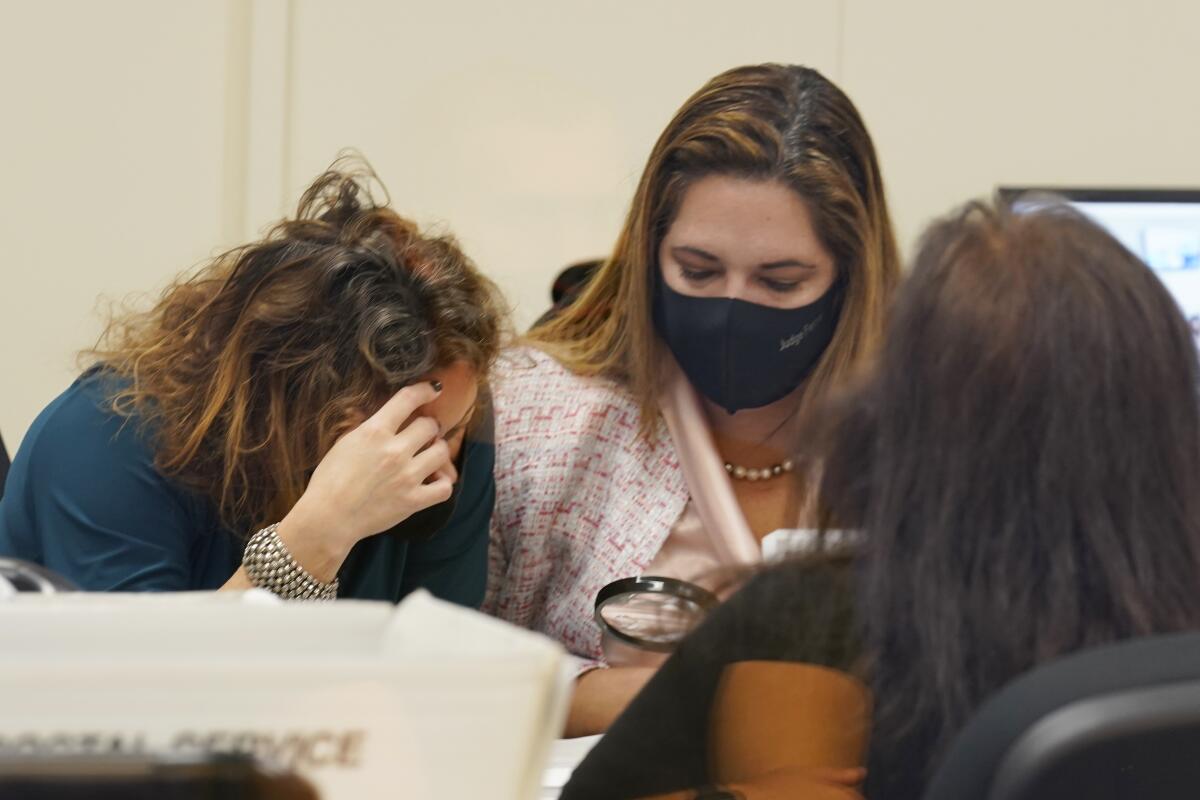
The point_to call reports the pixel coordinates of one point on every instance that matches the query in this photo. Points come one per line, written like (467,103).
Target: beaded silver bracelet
(270,566)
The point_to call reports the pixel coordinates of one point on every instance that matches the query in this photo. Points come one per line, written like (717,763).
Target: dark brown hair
(248,371)
(766,122)
(1024,464)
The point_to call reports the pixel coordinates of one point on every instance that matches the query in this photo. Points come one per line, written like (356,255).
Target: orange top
(787,730)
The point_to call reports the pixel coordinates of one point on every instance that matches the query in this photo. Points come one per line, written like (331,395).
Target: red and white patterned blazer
(581,498)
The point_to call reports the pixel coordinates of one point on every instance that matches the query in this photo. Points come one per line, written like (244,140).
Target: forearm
(600,696)
(380,473)
(239,582)
(310,541)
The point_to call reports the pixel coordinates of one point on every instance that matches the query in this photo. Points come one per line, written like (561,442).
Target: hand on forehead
(460,389)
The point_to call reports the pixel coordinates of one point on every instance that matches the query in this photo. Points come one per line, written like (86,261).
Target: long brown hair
(248,371)
(1025,466)
(768,122)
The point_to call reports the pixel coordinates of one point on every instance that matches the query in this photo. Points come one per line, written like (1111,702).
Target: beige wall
(142,135)
(963,96)
(525,130)
(112,138)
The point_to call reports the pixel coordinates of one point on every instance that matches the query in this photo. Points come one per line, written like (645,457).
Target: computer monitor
(1161,226)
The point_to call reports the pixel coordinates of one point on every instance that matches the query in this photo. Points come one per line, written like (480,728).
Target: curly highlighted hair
(248,371)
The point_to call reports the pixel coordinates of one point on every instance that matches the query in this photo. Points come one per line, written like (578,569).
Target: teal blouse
(83,498)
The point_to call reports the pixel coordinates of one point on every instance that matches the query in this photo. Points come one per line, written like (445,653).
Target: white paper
(365,699)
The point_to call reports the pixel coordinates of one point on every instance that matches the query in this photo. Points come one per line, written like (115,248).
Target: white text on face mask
(797,338)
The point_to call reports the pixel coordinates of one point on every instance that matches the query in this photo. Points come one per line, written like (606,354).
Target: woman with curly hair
(300,415)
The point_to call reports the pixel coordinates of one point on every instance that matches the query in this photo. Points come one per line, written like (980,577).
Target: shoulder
(526,363)
(81,454)
(795,611)
(802,577)
(84,483)
(80,426)
(802,587)
(533,393)
(551,424)
(530,369)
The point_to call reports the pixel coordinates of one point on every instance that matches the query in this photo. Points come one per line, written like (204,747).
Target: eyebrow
(696,251)
(787,262)
(770,265)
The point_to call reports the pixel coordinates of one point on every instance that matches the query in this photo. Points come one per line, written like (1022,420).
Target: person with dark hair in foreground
(299,416)
(1024,467)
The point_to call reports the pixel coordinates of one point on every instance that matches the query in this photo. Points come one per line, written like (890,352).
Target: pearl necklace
(764,474)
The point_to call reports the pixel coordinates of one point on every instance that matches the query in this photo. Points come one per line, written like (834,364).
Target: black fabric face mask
(744,355)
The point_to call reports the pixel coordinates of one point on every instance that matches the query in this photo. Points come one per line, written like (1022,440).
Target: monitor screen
(1162,227)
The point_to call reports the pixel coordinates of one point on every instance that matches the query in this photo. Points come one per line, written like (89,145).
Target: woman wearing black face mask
(1031,491)
(648,428)
(298,416)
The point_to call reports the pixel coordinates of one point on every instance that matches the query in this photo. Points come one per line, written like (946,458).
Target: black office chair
(569,284)
(5,463)
(1120,722)
(17,576)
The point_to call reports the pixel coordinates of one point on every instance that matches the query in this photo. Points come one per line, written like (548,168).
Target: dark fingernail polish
(437,385)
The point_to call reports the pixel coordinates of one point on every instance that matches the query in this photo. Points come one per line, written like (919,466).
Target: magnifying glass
(651,613)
